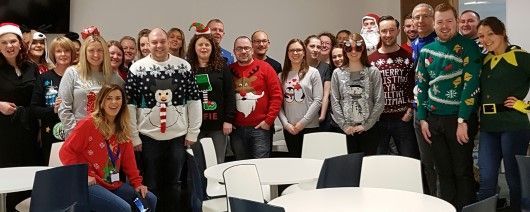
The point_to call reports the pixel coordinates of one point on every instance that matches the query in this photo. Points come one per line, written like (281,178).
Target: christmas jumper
(163,99)
(275,64)
(357,98)
(448,78)
(78,95)
(302,98)
(88,146)
(217,96)
(503,76)
(258,93)
(43,101)
(397,74)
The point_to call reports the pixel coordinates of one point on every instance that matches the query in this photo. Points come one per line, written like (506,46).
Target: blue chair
(341,171)
(486,205)
(243,205)
(60,189)
(523,162)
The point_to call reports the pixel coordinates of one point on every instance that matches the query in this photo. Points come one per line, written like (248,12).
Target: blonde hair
(64,43)
(122,130)
(84,68)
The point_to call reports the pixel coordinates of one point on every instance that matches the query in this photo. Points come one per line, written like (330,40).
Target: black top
(217,97)
(325,71)
(275,64)
(43,100)
(18,130)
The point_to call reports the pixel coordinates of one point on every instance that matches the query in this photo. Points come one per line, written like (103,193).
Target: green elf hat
(200,28)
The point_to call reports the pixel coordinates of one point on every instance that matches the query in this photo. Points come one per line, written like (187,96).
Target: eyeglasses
(295,50)
(260,41)
(241,48)
(423,16)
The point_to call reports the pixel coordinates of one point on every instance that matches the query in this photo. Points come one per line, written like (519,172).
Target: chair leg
(3,206)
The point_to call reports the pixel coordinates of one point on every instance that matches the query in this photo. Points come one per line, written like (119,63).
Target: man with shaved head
(165,113)
(260,44)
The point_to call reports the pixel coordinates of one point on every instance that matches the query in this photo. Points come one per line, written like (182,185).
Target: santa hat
(8,27)
(200,28)
(372,16)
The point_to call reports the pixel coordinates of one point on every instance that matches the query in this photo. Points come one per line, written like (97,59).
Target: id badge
(114,176)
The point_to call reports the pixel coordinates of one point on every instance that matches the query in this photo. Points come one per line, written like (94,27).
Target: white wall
(517,23)
(282,19)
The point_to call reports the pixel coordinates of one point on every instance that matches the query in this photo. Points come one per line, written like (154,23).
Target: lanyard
(113,158)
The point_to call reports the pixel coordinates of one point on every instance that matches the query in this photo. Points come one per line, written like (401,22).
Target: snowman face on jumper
(355,91)
(164,96)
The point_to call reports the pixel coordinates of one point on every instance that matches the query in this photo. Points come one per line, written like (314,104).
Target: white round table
(14,179)
(361,199)
(274,171)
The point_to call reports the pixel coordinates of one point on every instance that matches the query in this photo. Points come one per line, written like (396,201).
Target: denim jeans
(403,135)
(121,199)
(219,142)
(493,147)
(163,162)
(453,161)
(248,142)
(429,176)
(296,142)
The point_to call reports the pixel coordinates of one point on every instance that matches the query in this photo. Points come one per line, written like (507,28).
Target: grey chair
(486,205)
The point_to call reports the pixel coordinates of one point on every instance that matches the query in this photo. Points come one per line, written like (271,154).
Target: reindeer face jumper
(163,99)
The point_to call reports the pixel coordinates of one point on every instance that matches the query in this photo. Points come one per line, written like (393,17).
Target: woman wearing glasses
(302,92)
(357,97)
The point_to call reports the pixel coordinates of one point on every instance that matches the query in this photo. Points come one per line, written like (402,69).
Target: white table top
(14,179)
(361,199)
(274,171)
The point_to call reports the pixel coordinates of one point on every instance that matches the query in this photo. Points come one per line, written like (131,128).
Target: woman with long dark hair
(302,92)
(357,97)
(214,81)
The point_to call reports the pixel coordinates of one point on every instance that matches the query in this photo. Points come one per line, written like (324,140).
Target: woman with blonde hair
(81,83)
(44,102)
(107,126)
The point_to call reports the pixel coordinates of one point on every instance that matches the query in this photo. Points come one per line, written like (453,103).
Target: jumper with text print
(448,78)
(163,100)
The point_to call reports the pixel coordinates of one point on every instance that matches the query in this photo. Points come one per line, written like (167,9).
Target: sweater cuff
(421,114)
(192,136)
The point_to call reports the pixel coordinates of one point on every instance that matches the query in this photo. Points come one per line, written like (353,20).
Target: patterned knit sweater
(513,67)
(164,100)
(448,78)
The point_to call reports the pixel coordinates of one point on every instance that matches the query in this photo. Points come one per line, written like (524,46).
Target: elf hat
(372,16)
(200,28)
(8,27)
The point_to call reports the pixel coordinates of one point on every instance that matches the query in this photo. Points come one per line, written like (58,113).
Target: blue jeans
(121,199)
(248,142)
(403,135)
(163,162)
(493,147)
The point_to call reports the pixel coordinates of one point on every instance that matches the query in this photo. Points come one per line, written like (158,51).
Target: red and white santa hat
(372,16)
(8,27)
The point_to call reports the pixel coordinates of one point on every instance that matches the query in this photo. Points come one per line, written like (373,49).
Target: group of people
(120,105)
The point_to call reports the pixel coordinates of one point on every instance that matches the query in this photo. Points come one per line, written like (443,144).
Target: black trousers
(295,142)
(366,142)
(453,161)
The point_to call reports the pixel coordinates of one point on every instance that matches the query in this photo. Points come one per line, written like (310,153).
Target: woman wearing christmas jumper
(302,97)
(214,81)
(357,97)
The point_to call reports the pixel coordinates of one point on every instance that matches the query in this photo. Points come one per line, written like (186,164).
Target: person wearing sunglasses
(357,98)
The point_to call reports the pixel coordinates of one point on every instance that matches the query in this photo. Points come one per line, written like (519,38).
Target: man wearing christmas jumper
(396,67)
(166,116)
(448,88)
(258,102)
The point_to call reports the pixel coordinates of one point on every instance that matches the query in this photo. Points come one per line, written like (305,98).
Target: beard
(371,39)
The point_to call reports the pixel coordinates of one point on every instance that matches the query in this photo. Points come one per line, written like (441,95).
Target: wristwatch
(460,120)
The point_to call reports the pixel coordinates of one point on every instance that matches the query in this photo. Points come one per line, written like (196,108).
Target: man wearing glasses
(258,102)
(260,44)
